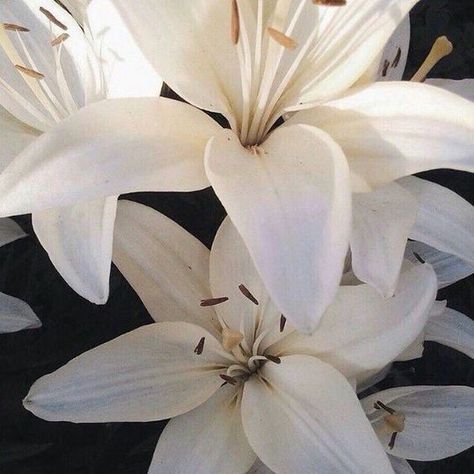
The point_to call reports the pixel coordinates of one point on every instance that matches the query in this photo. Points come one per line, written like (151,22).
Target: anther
(330,3)
(418,257)
(52,18)
(386,64)
(441,48)
(245,291)
(214,301)
(60,39)
(396,60)
(231,339)
(379,405)
(200,347)
(282,323)
(12,27)
(273,359)
(235,23)
(228,379)
(30,72)
(282,39)
(391,443)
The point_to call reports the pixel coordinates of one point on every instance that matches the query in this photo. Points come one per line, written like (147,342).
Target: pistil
(442,47)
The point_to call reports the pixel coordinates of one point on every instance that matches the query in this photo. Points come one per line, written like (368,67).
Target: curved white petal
(305,417)
(439,421)
(166,266)
(444,219)
(452,328)
(127,72)
(290,202)
(16,315)
(381,222)
(10,231)
(109,148)
(151,373)
(208,439)
(77,8)
(393,129)
(259,468)
(401,466)
(463,87)
(363,331)
(78,240)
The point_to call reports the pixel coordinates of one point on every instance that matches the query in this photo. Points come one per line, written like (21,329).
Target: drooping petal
(294,422)
(10,231)
(463,87)
(111,147)
(382,220)
(452,328)
(290,201)
(444,219)
(166,266)
(401,466)
(448,268)
(78,240)
(393,129)
(362,330)
(151,373)
(16,315)
(439,421)
(209,439)
(127,72)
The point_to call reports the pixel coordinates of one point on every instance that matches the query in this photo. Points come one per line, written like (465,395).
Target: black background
(71,325)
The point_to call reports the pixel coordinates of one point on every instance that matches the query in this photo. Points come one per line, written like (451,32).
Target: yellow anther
(441,48)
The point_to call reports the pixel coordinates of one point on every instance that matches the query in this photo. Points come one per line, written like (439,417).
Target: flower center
(393,422)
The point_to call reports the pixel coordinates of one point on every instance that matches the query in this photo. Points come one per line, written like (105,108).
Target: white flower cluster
(325,271)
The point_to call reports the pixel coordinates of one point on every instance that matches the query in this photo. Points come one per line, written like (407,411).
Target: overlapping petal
(10,231)
(462,87)
(16,315)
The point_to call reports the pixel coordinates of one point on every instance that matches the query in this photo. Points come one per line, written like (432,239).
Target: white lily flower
(287,397)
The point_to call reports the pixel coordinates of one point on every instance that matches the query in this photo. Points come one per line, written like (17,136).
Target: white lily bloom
(287,397)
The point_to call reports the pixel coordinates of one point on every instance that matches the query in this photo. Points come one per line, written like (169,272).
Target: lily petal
(439,421)
(401,466)
(440,209)
(78,240)
(381,223)
(109,148)
(363,331)
(290,202)
(10,231)
(208,439)
(393,129)
(77,8)
(166,266)
(463,87)
(295,424)
(259,468)
(151,373)
(16,315)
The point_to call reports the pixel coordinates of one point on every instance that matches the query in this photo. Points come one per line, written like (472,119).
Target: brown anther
(13,27)
(30,72)
(273,359)
(228,379)
(396,60)
(235,23)
(214,301)
(330,3)
(245,291)
(379,405)
(391,443)
(386,64)
(418,257)
(52,18)
(282,323)
(60,39)
(282,39)
(200,347)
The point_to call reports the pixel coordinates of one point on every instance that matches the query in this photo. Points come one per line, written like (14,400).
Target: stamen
(330,3)
(391,443)
(30,72)
(274,359)
(386,64)
(441,48)
(282,323)
(418,257)
(245,291)
(200,347)
(214,301)
(52,18)
(235,23)
(12,27)
(228,379)
(379,405)
(281,38)
(60,39)
(396,60)
(231,339)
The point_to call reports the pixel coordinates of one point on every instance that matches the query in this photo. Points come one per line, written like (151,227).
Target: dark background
(71,325)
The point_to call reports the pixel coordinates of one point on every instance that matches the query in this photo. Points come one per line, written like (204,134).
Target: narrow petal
(294,422)
(209,439)
(381,223)
(401,466)
(151,373)
(448,268)
(393,129)
(166,266)
(363,331)
(463,87)
(10,231)
(16,315)
(440,209)
(111,147)
(290,202)
(78,240)
(454,329)
(439,421)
